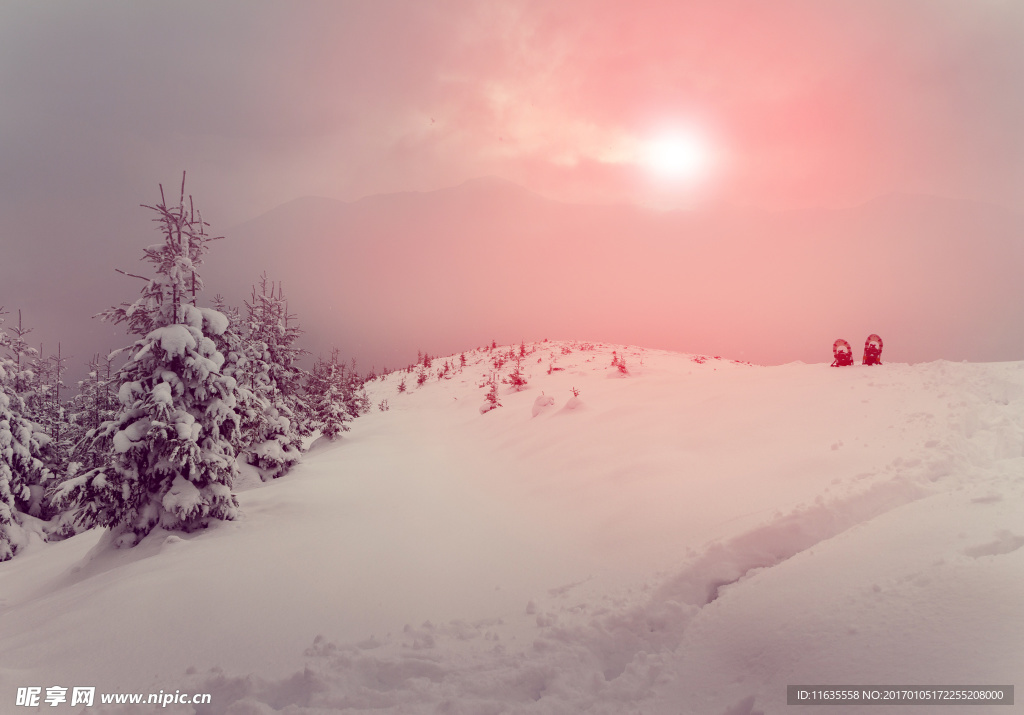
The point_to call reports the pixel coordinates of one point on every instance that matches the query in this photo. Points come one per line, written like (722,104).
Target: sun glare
(677,156)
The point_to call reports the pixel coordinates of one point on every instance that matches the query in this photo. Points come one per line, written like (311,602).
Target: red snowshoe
(873,350)
(842,352)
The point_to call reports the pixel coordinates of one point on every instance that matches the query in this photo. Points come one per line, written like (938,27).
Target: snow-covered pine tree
(353,390)
(94,404)
(273,439)
(250,404)
(171,455)
(325,390)
(31,376)
(249,407)
(279,330)
(48,412)
(23,475)
(22,355)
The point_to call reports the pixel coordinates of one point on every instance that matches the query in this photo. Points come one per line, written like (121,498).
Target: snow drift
(680,535)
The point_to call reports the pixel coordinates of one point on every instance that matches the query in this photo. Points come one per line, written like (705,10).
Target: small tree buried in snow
(491,398)
(619,361)
(171,461)
(516,378)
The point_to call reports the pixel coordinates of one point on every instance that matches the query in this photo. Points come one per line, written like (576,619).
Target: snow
(182,497)
(162,394)
(125,439)
(174,339)
(542,403)
(216,322)
(689,538)
(127,392)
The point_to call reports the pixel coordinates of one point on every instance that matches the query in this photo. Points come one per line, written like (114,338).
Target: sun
(679,155)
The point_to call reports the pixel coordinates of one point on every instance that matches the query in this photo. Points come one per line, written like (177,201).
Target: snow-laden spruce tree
(250,406)
(22,356)
(171,460)
(265,438)
(328,394)
(353,391)
(277,419)
(95,403)
(43,406)
(23,475)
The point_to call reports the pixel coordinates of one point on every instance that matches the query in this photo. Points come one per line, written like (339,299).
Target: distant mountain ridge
(386,275)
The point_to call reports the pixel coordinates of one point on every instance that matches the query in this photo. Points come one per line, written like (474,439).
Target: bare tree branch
(132,275)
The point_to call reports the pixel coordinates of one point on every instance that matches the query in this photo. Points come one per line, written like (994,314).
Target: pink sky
(795,104)
(804,103)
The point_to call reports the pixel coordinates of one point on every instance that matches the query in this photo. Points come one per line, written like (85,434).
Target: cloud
(814,102)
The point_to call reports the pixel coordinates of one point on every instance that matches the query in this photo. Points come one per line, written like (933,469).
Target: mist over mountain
(445,270)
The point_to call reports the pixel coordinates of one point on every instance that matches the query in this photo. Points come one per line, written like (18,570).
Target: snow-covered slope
(689,537)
